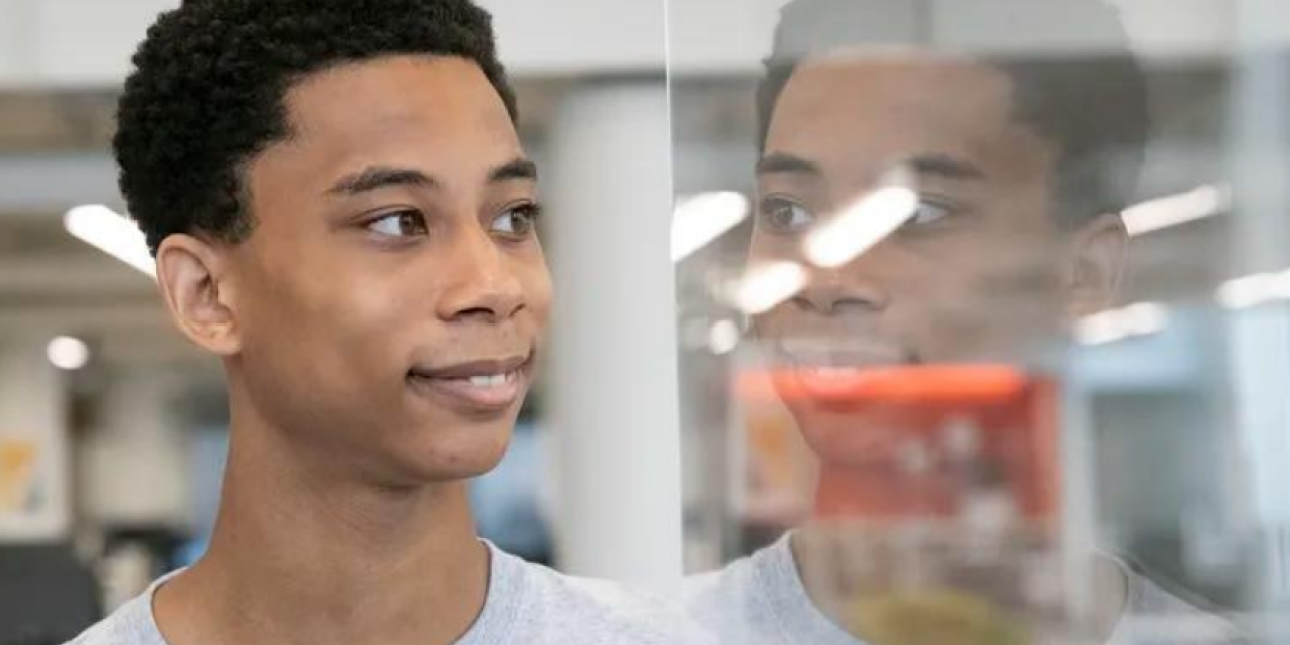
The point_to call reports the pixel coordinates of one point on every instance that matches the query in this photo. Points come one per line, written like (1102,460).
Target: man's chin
(438,471)
(455,455)
(845,436)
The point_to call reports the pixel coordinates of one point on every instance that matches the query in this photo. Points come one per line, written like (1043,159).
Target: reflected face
(393,294)
(969,276)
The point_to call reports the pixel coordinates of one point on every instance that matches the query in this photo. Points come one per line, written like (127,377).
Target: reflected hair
(1089,102)
(207,92)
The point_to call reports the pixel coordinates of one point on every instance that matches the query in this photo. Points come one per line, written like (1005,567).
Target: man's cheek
(539,292)
(942,330)
(769,327)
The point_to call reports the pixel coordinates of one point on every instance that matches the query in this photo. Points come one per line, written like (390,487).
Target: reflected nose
(484,285)
(854,287)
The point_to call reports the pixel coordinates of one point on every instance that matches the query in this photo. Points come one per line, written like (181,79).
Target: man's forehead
(388,94)
(396,118)
(395,110)
(899,86)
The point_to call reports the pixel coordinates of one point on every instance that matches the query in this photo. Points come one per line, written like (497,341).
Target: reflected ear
(1097,261)
(198,293)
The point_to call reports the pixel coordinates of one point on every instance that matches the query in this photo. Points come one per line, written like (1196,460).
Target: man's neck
(880,493)
(303,555)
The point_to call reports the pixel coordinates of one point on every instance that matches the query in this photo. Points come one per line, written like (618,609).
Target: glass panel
(984,322)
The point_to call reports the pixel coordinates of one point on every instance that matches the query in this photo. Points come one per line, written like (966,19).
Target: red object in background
(914,385)
(862,424)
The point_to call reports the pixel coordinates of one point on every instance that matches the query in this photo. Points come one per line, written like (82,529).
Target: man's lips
(471,369)
(483,385)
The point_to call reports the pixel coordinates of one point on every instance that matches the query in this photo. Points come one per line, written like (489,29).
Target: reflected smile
(831,355)
(822,370)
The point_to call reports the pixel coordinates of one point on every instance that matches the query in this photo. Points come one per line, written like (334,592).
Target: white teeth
(841,355)
(495,380)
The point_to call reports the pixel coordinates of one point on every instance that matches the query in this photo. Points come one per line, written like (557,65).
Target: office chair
(47,596)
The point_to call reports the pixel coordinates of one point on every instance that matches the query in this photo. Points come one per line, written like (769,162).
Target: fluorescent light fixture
(1254,290)
(1134,321)
(112,233)
(861,227)
(703,218)
(723,338)
(767,285)
(1175,210)
(67,353)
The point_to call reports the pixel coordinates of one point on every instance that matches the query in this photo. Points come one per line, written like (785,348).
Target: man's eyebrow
(377,177)
(936,164)
(944,166)
(779,162)
(517,168)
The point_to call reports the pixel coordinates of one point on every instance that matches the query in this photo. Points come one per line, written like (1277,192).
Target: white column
(17,42)
(34,501)
(614,409)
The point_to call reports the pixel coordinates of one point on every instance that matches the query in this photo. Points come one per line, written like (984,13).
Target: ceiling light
(112,233)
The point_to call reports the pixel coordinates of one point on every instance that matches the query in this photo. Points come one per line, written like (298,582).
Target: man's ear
(198,292)
(1097,257)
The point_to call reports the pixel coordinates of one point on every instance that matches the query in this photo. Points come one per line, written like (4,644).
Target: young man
(1019,167)
(341,211)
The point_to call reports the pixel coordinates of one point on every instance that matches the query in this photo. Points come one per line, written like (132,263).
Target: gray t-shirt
(761,600)
(526,603)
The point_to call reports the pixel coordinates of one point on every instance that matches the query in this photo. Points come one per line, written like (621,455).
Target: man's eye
(408,223)
(517,222)
(784,216)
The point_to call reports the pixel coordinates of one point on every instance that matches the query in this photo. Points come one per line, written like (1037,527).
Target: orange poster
(17,475)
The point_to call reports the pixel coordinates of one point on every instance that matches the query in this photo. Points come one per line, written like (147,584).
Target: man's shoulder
(588,610)
(754,601)
(1160,616)
(717,595)
(746,585)
(130,625)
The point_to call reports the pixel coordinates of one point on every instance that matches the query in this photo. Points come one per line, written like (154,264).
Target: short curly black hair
(1093,105)
(209,83)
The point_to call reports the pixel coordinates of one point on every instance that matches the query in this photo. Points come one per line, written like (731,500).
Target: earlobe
(1097,265)
(198,294)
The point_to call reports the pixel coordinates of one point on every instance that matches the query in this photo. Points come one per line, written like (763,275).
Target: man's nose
(484,284)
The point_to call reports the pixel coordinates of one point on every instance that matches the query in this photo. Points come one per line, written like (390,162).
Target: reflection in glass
(962,349)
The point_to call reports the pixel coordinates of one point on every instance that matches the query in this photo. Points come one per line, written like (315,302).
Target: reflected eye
(517,222)
(407,223)
(929,211)
(784,216)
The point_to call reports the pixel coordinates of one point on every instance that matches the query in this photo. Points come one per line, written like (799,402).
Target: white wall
(17,44)
(75,43)
(723,35)
(89,42)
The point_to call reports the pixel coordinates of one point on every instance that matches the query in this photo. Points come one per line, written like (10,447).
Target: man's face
(391,297)
(973,275)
